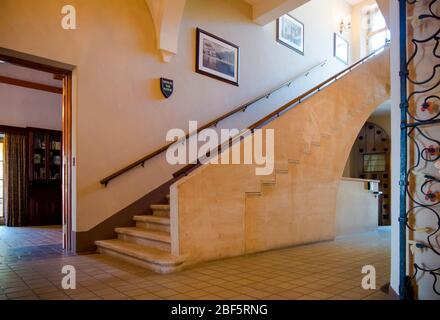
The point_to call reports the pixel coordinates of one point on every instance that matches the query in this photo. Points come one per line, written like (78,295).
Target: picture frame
(217,58)
(341,49)
(290,33)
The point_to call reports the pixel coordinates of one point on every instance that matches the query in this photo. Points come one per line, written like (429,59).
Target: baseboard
(85,240)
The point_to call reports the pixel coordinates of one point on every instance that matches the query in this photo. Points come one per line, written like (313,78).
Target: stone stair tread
(145,234)
(152,255)
(163,207)
(152,219)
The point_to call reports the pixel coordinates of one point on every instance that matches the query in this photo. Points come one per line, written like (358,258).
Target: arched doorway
(372,161)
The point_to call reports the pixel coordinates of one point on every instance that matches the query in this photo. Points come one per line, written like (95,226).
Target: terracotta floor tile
(328,270)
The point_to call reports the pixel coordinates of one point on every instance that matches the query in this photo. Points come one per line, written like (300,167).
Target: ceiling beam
(31,85)
(264,12)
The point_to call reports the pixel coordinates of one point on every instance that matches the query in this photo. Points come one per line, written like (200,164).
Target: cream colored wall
(358,48)
(118,109)
(219,211)
(356,207)
(323,18)
(23,107)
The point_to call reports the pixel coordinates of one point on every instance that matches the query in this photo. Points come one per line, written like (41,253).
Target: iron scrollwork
(422,185)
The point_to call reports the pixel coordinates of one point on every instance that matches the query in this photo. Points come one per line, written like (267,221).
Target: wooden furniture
(44,177)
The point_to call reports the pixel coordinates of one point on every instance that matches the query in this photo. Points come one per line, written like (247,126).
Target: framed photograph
(341,47)
(290,32)
(217,58)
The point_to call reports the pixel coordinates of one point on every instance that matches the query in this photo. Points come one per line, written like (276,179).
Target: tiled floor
(30,243)
(329,270)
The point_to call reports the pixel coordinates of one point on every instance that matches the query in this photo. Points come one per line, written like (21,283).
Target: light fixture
(1,61)
(344,25)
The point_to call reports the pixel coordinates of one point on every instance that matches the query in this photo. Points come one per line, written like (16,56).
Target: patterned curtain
(15,180)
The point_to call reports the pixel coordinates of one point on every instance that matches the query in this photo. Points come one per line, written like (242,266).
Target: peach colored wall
(23,107)
(119,113)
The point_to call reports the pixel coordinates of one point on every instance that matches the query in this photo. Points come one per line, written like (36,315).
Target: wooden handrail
(275,114)
(241,108)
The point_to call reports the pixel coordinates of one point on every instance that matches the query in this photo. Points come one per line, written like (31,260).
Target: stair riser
(161,213)
(146,242)
(153,226)
(144,264)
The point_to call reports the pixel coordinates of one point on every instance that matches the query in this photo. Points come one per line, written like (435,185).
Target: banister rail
(241,108)
(275,114)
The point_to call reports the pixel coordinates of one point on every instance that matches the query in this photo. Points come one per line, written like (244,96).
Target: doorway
(48,153)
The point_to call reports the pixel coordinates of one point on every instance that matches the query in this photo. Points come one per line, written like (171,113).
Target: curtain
(15,180)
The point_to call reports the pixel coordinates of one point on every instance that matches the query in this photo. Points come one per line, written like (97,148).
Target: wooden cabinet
(44,177)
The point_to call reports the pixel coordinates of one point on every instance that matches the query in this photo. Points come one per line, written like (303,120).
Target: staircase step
(160,210)
(152,223)
(293,161)
(150,238)
(282,170)
(268,182)
(150,258)
(253,194)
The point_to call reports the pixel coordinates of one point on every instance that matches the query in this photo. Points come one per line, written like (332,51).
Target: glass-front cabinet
(44,189)
(45,156)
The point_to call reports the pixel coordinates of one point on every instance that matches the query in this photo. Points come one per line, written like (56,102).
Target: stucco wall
(23,107)
(356,207)
(219,211)
(119,114)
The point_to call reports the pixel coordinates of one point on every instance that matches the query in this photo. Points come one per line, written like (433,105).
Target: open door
(64,72)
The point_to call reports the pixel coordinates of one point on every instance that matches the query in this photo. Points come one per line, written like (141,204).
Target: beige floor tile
(330,270)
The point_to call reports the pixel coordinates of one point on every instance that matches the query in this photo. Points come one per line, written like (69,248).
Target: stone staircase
(228,211)
(148,244)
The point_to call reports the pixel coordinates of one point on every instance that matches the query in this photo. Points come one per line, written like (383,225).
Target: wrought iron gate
(420,147)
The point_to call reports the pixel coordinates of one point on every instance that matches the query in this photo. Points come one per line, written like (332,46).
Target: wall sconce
(344,26)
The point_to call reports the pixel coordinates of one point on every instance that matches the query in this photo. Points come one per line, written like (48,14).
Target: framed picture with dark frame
(217,58)
(341,48)
(290,33)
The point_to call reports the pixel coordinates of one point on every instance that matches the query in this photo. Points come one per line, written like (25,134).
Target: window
(374,162)
(1,175)
(377,33)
